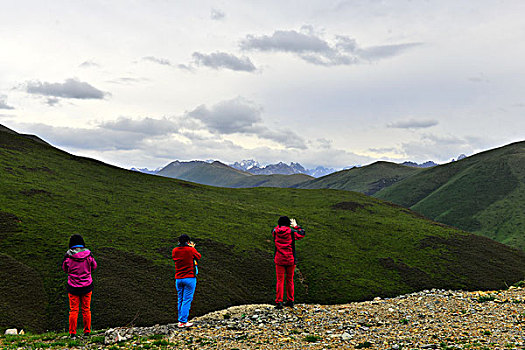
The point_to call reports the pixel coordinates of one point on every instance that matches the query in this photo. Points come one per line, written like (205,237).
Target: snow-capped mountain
(253,167)
(246,165)
(427,164)
(320,171)
(146,170)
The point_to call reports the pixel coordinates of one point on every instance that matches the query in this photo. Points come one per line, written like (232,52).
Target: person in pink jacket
(284,236)
(78,263)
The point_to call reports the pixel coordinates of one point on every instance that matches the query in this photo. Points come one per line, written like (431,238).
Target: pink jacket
(78,264)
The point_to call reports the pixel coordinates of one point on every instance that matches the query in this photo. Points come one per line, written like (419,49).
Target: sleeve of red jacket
(196,254)
(298,232)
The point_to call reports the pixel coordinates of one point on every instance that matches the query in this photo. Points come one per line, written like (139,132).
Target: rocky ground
(434,319)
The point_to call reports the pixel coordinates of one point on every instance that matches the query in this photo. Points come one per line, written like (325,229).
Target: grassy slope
(483,194)
(221,175)
(356,247)
(214,174)
(275,180)
(368,179)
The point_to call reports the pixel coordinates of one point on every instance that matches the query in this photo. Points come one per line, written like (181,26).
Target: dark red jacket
(183,256)
(284,238)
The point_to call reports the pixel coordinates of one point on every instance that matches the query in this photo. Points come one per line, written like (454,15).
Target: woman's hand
(191,244)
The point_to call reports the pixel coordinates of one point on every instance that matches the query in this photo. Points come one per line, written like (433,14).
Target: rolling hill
(222,175)
(368,179)
(356,248)
(213,174)
(484,193)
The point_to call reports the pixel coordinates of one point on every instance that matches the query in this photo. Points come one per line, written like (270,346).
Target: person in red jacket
(185,257)
(284,238)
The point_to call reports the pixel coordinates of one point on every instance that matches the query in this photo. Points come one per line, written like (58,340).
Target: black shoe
(279,306)
(73,336)
(87,334)
(289,303)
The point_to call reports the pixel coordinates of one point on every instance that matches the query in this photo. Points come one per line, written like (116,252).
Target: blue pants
(185,290)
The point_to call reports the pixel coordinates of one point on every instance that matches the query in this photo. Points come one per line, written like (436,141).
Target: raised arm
(196,254)
(298,232)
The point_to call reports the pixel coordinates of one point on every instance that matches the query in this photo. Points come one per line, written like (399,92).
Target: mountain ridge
(219,174)
(367,179)
(483,193)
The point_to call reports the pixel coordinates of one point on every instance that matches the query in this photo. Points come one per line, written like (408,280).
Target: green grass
(38,341)
(368,179)
(484,194)
(485,298)
(312,338)
(356,248)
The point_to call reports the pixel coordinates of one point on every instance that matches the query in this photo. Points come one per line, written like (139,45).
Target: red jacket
(284,238)
(184,257)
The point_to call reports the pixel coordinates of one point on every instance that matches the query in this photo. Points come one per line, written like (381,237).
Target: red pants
(280,271)
(74,302)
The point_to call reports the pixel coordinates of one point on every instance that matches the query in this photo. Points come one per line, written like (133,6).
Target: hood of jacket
(78,253)
(282,229)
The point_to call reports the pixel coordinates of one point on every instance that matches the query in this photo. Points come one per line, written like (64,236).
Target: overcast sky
(319,82)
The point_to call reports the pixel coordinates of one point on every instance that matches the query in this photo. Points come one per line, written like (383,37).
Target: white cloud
(311,48)
(217,15)
(233,116)
(3,103)
(468,68)
(219,60)
(89,64)
(145,126)
(161,61)
(373,53)
(413,123)
(127,80)
(71,88)
(52,101)
(99,139)
(242,116)
(286,41)
(442,148)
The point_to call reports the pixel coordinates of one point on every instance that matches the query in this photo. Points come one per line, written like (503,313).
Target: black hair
(284,221)
(76,240)
(184,239)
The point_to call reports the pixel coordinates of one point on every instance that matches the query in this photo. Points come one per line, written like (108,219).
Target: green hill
(357,247)
(368,179)
(222,175)
(484,193)
(274,180)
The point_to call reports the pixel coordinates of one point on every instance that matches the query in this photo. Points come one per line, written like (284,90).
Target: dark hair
(284,221)
(76,240)
(184,239)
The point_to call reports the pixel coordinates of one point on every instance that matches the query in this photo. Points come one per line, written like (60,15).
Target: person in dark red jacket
(284,238)
(78,263)
(185,257)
